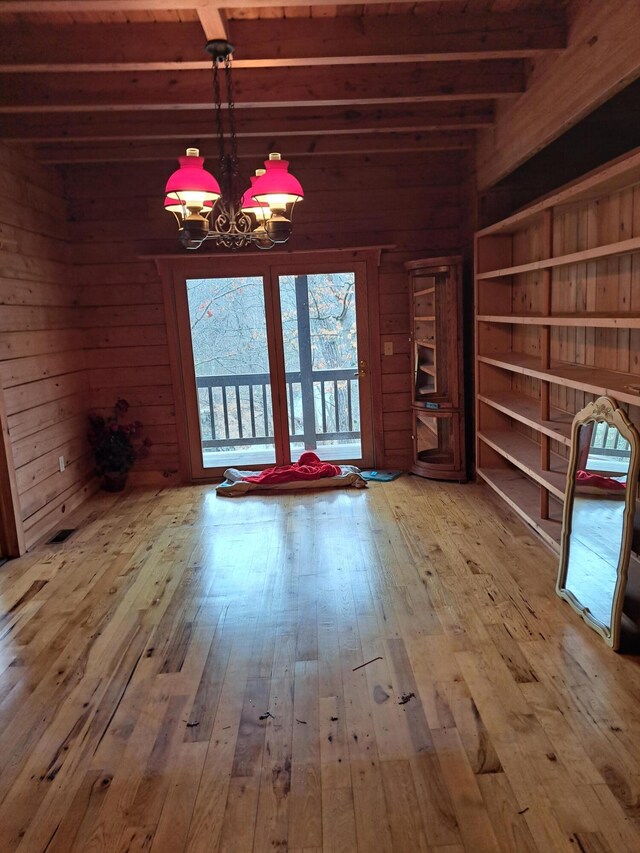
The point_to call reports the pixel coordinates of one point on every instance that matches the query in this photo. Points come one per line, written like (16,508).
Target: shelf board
(425,420)
(425,317)
(623,387)
(525,454)
(523,497)
(421,343)
(623,247)
(428,368)
(527,411)
(435,456)
(603,321)
(425,291)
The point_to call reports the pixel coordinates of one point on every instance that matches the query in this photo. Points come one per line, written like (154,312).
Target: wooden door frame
(12,540)
(174,269)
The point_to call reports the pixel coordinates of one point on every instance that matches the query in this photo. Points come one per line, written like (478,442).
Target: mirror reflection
(598,516)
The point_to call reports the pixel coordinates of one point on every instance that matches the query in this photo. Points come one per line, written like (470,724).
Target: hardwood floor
(139,659)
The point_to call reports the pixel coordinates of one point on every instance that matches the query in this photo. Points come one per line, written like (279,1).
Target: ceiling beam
(213,21)
(258,148)
(263,87)
(283,122)
(286,41)
(49,6)
(602,58)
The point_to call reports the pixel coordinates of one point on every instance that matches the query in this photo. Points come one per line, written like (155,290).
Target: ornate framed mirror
(599,508)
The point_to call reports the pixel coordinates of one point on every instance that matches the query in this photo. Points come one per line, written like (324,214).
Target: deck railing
(607,441)
(236,410)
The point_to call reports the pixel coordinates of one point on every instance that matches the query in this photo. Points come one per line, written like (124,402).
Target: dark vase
(114,481)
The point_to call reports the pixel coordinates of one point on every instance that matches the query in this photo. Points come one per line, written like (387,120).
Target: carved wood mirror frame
(602,410)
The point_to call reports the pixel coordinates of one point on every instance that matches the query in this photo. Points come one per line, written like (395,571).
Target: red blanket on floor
(308,467)
(585,478)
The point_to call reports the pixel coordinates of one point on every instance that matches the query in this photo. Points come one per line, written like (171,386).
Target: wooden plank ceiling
(108,80)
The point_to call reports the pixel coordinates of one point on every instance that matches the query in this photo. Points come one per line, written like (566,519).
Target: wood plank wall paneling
(42,347)
(414,204)
(124,317)
(606,285)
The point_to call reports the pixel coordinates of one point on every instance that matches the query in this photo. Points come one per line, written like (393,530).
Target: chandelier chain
(235,191)
(232,107)
(218,106)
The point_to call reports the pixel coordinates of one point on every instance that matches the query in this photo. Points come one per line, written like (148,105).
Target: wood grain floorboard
(185,673)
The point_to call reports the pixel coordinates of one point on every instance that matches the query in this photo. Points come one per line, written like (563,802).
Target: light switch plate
(388,347)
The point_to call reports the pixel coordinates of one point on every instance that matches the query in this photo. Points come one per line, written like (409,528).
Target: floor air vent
(61,536)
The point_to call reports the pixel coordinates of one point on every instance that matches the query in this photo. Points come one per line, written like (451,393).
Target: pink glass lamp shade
(261,209)
(177,207)
(191,183)
(277,187)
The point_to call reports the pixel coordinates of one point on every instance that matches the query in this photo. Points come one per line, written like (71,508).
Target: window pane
(230,354)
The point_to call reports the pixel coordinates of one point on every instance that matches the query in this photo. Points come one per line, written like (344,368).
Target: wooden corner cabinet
(435,286)
(557,314)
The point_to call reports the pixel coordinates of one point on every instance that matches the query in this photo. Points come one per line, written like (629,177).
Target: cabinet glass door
(424,336)
(435,438)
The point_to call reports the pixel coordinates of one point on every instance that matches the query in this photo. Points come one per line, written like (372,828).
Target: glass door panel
(434,437)
(231,363)
(424,311)
(320,343)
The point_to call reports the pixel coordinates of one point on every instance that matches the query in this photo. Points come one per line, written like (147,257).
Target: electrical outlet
(61,463)
(388,347)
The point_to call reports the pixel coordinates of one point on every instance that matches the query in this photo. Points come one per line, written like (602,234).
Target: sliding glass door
(274,362)
(320,342)
(231,366)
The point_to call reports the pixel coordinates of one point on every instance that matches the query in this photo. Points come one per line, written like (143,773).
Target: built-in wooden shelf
(523,497)
(425,292)
(616,175)
(624,387)
(525,454)
(425,317)
(624,247)
(602,321)
(525,401)
(526,410)
(430,344)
